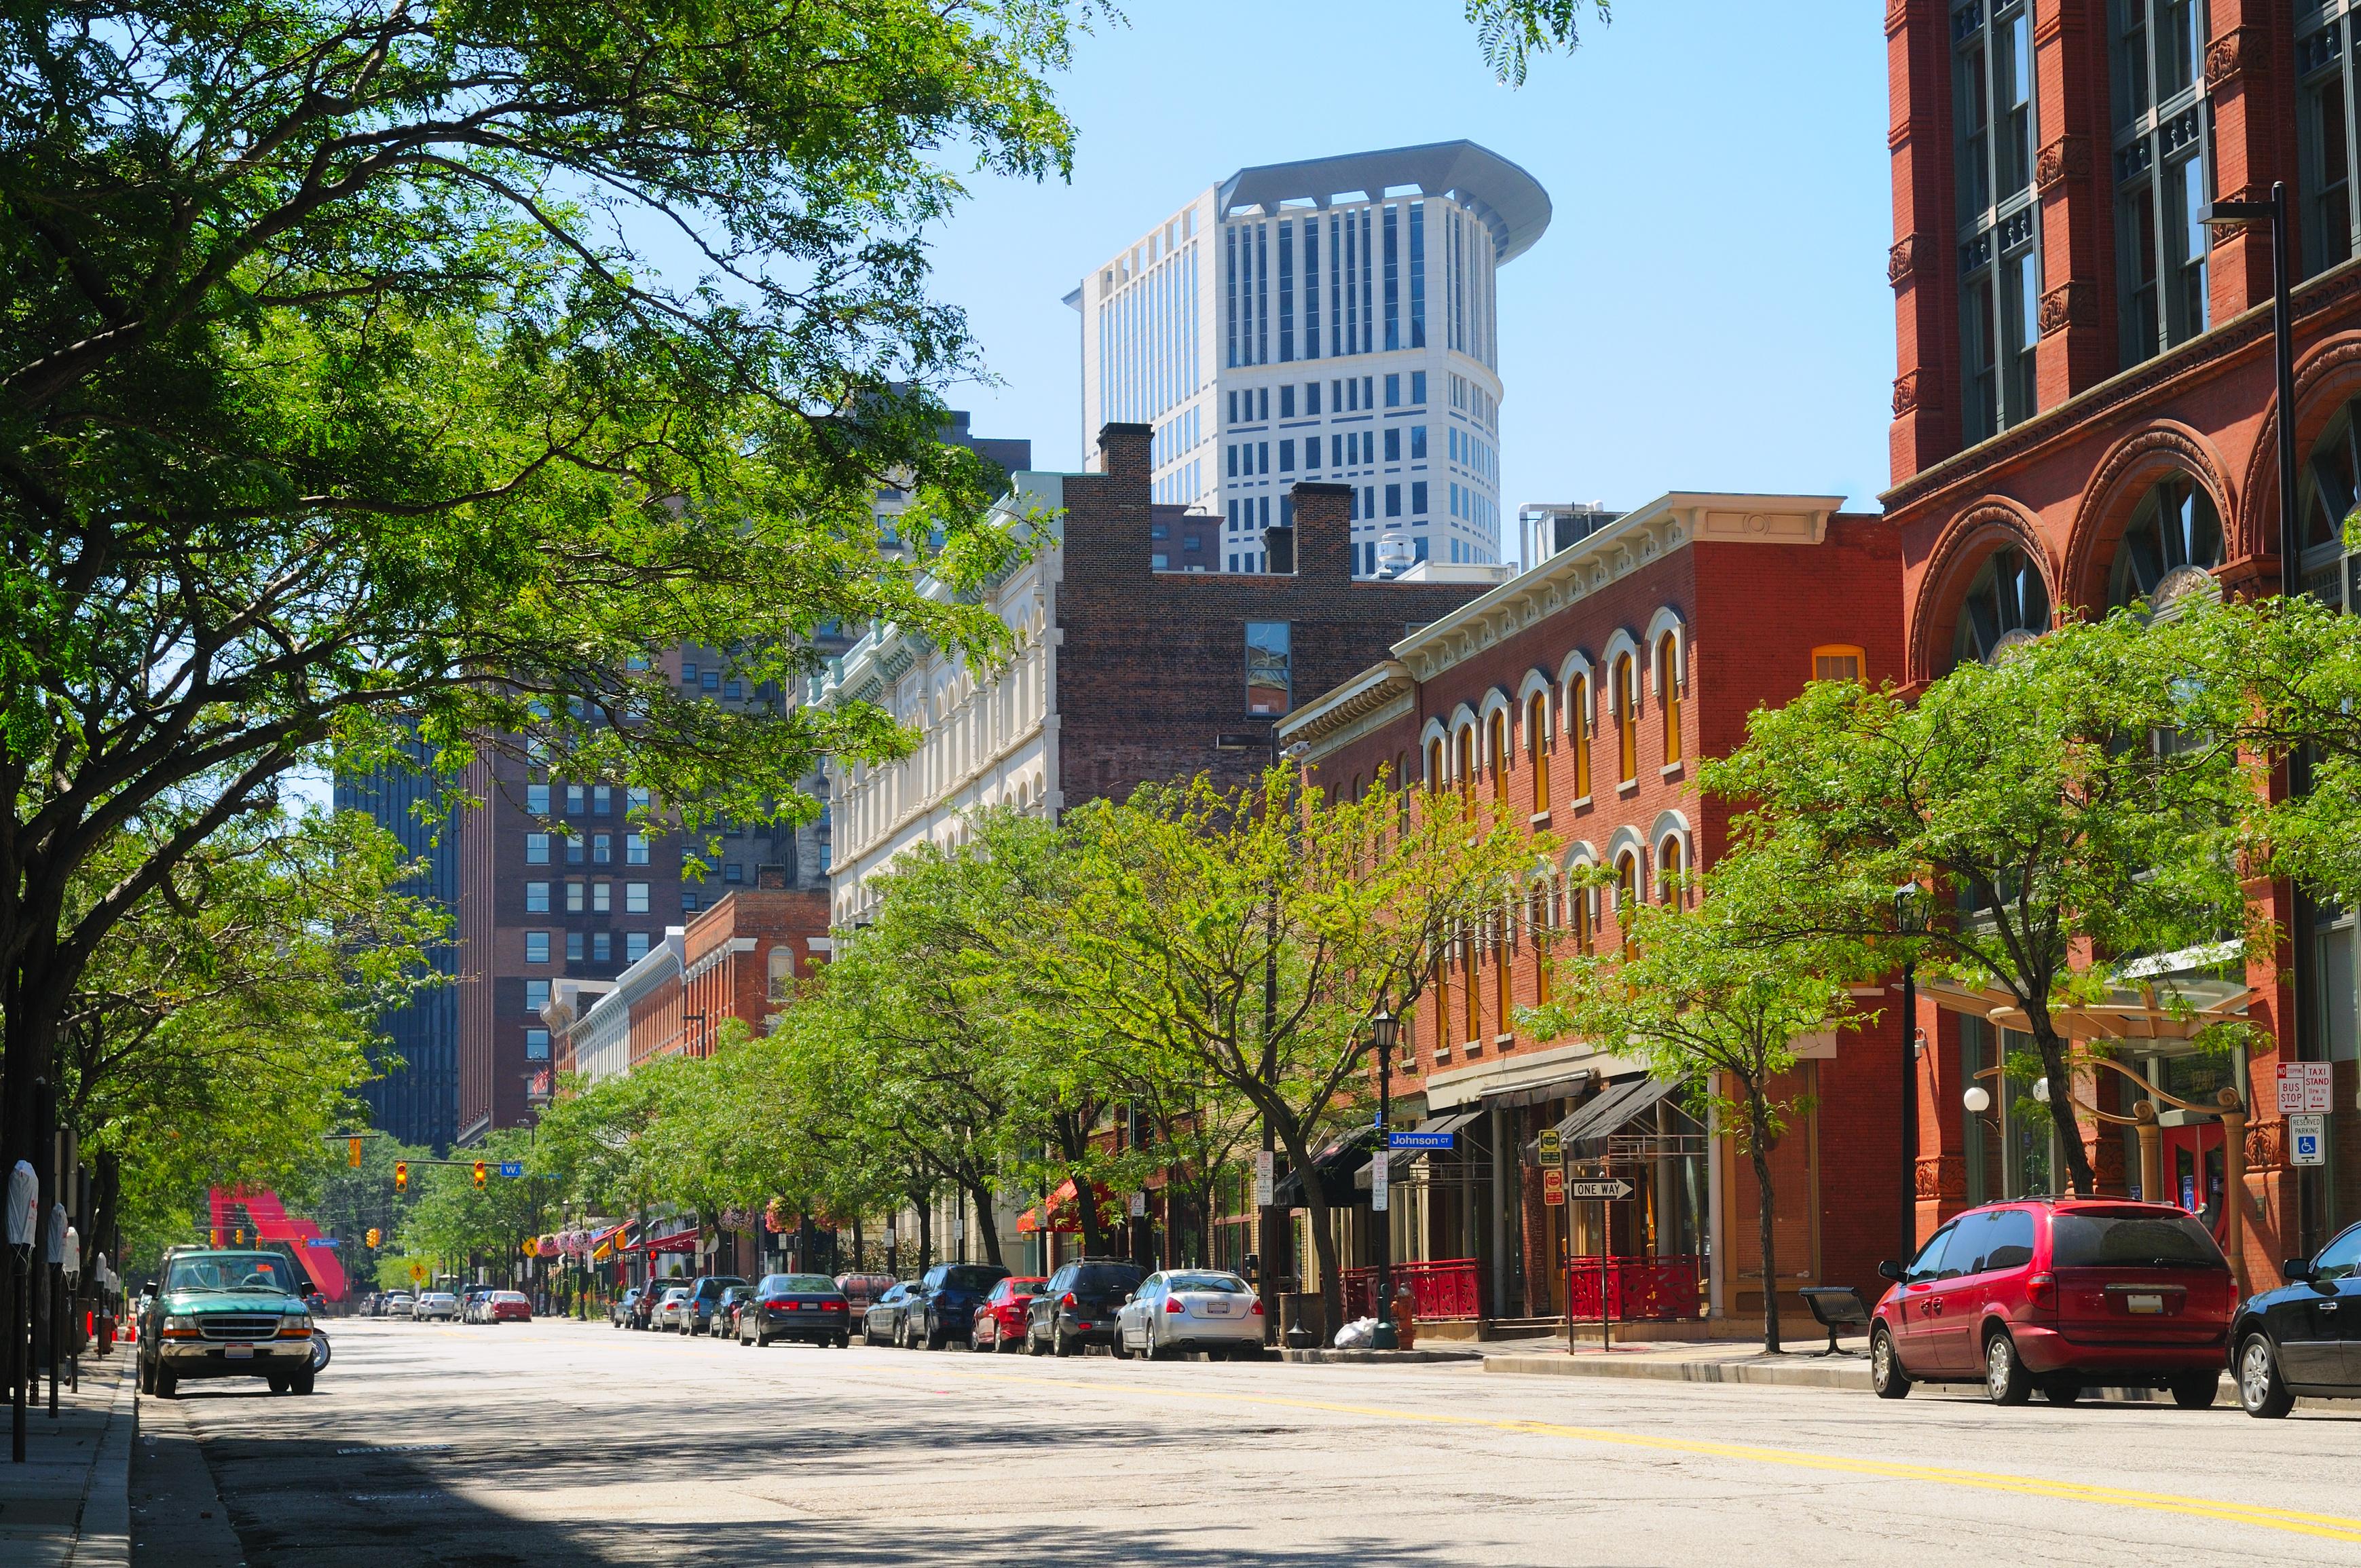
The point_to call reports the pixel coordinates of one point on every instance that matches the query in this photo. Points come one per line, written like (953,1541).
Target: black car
(2303,1338)
(704,1295)
(723,1324)
(1077,1307)
(795,1307)
(942,1303)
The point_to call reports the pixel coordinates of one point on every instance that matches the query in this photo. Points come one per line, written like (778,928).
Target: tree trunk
(986,1228)
(2061,1108)
(926,1233)
(1324,1241)
(1759,1120)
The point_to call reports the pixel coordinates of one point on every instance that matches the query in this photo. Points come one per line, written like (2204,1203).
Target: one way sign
(1596,1190)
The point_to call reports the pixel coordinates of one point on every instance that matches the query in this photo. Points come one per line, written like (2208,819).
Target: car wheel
(2197,1391)
(301,1382)
(278,1382)
(2004,1379)
(2261,1391)
(1885,1375)
(868,1334)
(2063,1391)
(1058,1342)
(1118,1349)
(1033,1345)
(147,1377)
(168,1383)
(936,1336)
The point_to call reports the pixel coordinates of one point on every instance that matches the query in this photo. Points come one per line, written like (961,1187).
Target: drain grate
(398,1448)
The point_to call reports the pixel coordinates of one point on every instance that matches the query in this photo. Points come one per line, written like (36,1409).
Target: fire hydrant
(1405,1319)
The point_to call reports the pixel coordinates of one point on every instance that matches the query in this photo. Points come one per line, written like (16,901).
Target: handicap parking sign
(2306,1140)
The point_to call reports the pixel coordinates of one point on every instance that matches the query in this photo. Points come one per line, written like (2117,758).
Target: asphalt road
(579,1445)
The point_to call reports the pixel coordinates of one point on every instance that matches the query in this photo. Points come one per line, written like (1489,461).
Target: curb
(103,1535)
(1670,1369)
(1388,1358)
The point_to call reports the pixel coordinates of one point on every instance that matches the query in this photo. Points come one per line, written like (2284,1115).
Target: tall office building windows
(1286,457)
(1393,443)
(1418,498)
(1418,274)
(1311,454)
(1311,399)
(1262,292)
(2163,173)
(1393,391)
(1417,443)
(1286,291)
(1418,389)
(1393,500)
(1287,402)
(1999,236)
(1393,280)
(1230,315)
(2324,128)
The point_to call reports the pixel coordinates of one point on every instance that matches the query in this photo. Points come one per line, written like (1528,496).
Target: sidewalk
(1690,1361)
(68,1505)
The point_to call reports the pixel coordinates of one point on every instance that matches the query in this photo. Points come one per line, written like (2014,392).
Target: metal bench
(1836,1307)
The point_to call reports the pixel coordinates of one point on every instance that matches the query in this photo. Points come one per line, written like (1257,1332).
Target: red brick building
(2085,413)
(1578,697)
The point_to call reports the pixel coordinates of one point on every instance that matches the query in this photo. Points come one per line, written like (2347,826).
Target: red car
(2058,1294)
(508,1307)
(1000,1322)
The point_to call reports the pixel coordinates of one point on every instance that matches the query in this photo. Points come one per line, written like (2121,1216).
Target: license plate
(239,1352)
(2143,1303)
(1214,1308)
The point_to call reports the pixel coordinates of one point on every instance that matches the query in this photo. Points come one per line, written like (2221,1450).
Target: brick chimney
(1123,452)
(1323,531)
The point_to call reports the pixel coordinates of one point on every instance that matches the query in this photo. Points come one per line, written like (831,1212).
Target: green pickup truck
(227,1314)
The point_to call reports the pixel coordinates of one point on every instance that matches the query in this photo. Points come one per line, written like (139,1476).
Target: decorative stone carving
(2228,56)
(1902,259)
(1905,392)
(2067,158)
(2072,304)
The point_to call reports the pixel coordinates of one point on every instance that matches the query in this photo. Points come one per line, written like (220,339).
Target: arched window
(1579,905)
(1471,987)
(1668,694)
(2330,488)
(1467,761)
(2007,603)
(1628,894)
(2172,543)
(1434,765)
(1577,729)
(1537,739)
(1627,721)
(1669,869)
(1541,917)
(1496,734)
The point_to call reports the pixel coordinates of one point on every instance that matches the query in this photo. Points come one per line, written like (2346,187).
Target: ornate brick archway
(2325,381)
(2115,490)
(1982,526)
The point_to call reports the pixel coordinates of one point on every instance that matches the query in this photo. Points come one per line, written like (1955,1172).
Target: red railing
(1661,1288)
(1447,1289)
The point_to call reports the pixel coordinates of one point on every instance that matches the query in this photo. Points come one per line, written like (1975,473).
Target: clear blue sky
(1708,310)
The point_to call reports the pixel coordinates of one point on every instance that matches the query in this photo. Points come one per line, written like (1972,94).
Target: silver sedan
(1182,1309)
(672,1310)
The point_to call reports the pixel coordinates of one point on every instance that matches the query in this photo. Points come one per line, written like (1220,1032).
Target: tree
(1513,31)
(343,397)
(2074,805)
(1699,996)
(1194,900)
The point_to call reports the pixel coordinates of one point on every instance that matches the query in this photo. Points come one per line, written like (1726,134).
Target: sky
(1708,310)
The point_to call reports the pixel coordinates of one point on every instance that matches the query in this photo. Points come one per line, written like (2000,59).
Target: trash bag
(1357,1335)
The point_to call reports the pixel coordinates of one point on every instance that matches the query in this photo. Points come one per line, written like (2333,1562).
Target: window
(1668,693)
(1577,730)
(635,849)
(2000,267)
(1433,766)
(536,849)
(1269,667)
(1418,498)
(1159,563)
(1393,391)
(781,962)
(1287,456)
(2324,135)
(574,898)
(576,947)
(1287,402)
(536,799)
(635,946)
(536,1045)
(1537,740)
(1628,890)
(636,898)
(1465,774)
(1311,398)
(2330,488)
(576,799)
(711,681)
(2007,603)
(1497,759)
(1580,914)
(1835,663)
(1311,454)
(2162,170)
(687,674)
(536,898)
(1230,455)
(2172,544)
(1418,387)
(602,848)
(1928,1263)
(734,872)
(536,995)
(602,898)
(1669,867)
(602,948)
(536,946)
(637,799)
(1417,443)
(1393,500)
(1624,698)
(602,800)
(574,843)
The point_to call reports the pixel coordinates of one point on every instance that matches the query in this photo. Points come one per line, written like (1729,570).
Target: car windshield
(799,1284)
(1107,1277)
(970,1278)
(676,1294)
(2141,1237)
(232,1271)
(510,1296)
(1229,1283)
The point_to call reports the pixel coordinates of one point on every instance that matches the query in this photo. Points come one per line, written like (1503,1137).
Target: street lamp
(1384,1030)
(1909,919)
(2275,211)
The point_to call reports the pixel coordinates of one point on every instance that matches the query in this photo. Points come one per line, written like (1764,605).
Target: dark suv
(945,1299)
(1077,1307)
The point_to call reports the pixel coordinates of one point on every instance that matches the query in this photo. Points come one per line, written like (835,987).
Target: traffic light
(402,1176)
(353,1153)
(216,1235)
(373,1233)
(240,1234)
(479,1173)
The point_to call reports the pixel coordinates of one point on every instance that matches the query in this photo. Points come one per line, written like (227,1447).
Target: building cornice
(1373,695)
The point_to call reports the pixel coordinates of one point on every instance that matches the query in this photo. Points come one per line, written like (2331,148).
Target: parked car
(1078,1305)
(507,1307)
(436,1306)
(472,1302)
(671,1310)
(943,1302)
(397,1305)
(2302,1338)
(227,1314)
(2058,1294)
(795,1307)
(888,1316)
(1000,1322)
(723,1324)
(704,1295)
(1180,1311)
(861,1290)
(623,1310)
(651,1298)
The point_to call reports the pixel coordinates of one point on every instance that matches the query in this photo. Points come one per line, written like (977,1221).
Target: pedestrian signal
(402,1176)
(353,1153)
(372,1235)
(479,1173)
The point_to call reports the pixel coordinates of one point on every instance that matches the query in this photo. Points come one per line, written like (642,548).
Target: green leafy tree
(2074,805)
(1513,31)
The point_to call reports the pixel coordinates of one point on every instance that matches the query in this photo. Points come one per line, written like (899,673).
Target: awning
(602,1243)
(1338,1164)
(1064,1214)
(1617,1105)
(679,1241)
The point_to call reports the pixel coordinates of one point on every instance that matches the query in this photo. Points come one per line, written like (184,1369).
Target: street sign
(1139,1205)
(1266,1175)
(321,1240)
(1605,1192)
(1552,1146)
(2308,1139)
(1417,1140)
(418,1271)
(2306,1088)
(1553,1185)
(1380,1172)
(512,1167)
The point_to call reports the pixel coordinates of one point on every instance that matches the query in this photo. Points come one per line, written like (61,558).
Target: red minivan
(2058,1294)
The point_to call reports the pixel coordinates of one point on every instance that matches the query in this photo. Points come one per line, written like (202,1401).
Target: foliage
(2074,805)
(1512,31)
(453,1221)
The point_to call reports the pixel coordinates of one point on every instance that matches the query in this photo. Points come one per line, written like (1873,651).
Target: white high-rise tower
(1334,319)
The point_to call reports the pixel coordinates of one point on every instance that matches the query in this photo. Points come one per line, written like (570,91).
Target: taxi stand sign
(2306,1088)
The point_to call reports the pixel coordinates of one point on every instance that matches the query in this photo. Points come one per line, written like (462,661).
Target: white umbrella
(23,1205)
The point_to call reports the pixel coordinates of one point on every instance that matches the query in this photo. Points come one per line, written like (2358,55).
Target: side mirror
(2296,1270)
(1889,1269)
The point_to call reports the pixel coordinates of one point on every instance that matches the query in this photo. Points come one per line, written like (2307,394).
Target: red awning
(1064,1214)
(679,1241)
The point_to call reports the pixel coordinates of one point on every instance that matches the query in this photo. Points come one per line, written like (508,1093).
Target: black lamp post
(2275,213)
(1384,1030)
(1909,918)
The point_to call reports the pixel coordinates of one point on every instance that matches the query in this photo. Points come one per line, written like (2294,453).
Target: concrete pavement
(67,1505)
(559,1443)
